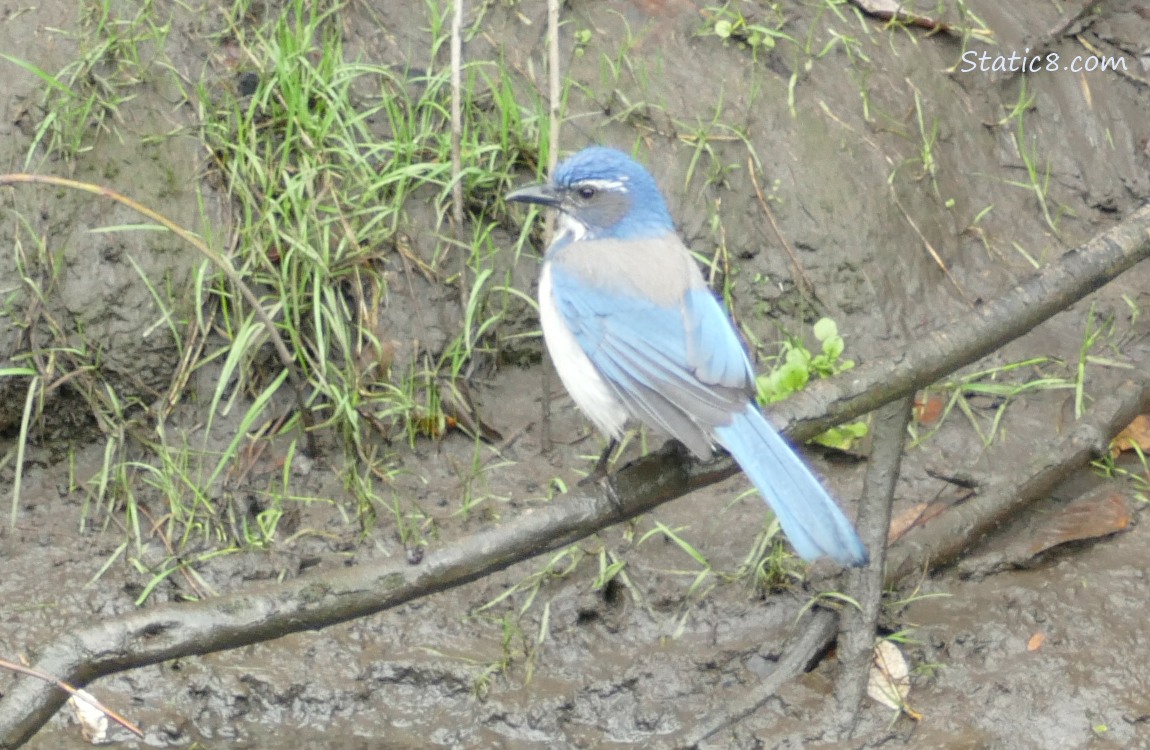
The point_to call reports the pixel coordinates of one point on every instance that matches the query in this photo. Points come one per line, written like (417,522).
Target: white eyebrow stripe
(619,185)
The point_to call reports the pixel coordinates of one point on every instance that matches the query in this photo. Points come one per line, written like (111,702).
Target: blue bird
(635,332)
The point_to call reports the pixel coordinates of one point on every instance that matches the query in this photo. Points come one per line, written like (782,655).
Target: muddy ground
(890,154)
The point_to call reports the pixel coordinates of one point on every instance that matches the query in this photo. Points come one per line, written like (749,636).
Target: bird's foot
(600,470)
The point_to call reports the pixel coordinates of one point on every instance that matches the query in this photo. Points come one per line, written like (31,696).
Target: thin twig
(554,100)
(929,248)
(457,143)
(807,284)
(75,693)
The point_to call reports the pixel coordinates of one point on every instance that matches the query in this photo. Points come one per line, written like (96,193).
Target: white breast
(586,386)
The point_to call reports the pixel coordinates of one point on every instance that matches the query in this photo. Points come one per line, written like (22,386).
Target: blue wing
(714,350)
(655,359)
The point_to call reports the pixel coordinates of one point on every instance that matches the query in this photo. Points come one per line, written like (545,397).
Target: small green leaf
(825,329)
(833,347)
(798,365)
(789,377)
(797,355)
(794,377)
(723,29)
(843,437)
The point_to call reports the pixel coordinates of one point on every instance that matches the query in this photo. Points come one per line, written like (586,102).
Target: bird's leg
(600,469)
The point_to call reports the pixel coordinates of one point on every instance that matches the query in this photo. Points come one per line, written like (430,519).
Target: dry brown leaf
(1137,433)
(905,521)
(1090,516)
(928,407)
(889,681)
(1036,641)
(916,515)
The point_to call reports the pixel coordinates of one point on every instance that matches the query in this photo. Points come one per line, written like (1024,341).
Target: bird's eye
(586,192)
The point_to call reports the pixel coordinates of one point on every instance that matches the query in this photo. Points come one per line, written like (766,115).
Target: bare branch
(865,585)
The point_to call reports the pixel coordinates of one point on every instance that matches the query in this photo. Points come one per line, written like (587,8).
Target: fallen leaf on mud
(93,723)
(928,407)
(1137,433)
(916,515)
(461,413)
(1036,641)
(889,681)
(1090,516)
(905,521)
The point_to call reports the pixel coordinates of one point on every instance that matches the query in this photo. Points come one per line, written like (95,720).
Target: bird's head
(601,193)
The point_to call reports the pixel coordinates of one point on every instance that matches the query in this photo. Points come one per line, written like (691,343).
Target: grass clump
(340,178)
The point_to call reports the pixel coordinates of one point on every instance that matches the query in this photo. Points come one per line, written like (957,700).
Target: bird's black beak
(543,195)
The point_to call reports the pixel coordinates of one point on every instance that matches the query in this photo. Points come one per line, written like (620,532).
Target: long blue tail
(810,518)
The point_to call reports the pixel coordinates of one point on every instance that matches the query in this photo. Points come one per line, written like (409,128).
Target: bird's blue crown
(634,206)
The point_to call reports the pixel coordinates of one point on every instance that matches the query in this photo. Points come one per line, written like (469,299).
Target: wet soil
(880,173)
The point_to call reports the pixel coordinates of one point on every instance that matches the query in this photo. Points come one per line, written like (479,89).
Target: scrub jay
(635,332)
